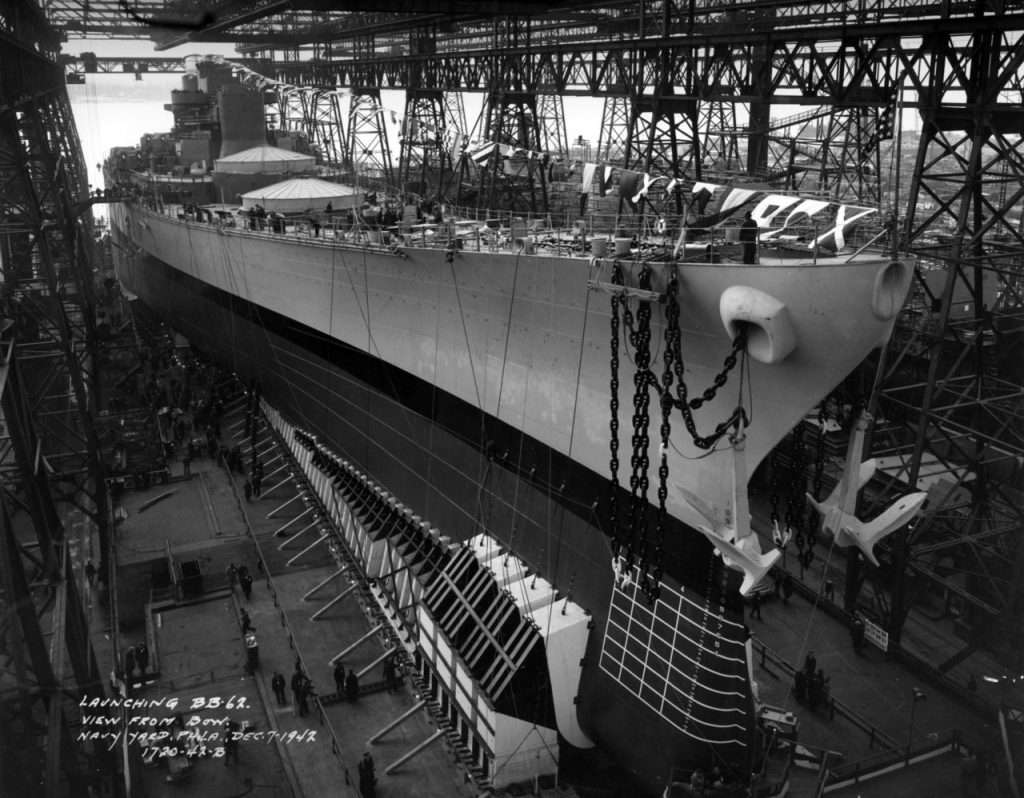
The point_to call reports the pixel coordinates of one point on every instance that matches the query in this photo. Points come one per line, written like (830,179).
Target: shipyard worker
(390,672)
(142,657)
(302,696)
(857,633)
(230,742)
(371,215)
(246,581)
(252,651)
(339,679)
(367,776)
(277,683)
(351,686)
(816,689)
(298,677)
(748,238)
(329,208)
(245,621)
(810,663)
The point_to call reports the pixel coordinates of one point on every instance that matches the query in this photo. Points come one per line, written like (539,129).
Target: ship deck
(518,236)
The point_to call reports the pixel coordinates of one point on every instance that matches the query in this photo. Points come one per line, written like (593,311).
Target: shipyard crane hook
(732,536)
(837,511)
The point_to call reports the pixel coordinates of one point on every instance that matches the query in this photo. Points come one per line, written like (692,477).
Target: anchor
(623,573)
(780,536)
(732,536)
(837,511)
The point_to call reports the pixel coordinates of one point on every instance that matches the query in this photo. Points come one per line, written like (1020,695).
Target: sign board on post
(876,634)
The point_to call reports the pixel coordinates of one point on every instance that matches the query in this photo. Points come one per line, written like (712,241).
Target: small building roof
(266,160)
(301,194)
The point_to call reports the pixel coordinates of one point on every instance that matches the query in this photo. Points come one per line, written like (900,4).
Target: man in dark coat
(298,688)
(351,686)
(142,657)
(748,238)
(277,683)
(367,777)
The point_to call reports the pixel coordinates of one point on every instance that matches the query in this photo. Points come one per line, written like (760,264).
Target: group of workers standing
(810,684)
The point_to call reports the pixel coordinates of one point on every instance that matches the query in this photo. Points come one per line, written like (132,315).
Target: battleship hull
(475,386)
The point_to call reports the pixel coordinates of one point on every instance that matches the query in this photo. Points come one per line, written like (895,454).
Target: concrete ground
(198,648)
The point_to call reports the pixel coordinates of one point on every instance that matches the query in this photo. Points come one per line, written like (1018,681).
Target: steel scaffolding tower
(423,158)
(959,400)
(50,459)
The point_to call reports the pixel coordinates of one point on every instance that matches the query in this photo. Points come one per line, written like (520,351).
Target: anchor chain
(632,545)
(613,401)
(639,482)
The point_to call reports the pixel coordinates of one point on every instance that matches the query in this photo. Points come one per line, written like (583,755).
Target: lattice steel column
(719,135)
(551,117)
(513,176)
(367,137)
(831,151)
(48,282)
(424,160)
(962,417)
(612,141)
(43,684)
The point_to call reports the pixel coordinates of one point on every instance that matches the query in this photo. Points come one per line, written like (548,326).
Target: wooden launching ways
(325,608)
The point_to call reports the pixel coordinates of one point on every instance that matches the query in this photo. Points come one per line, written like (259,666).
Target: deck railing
(663,238)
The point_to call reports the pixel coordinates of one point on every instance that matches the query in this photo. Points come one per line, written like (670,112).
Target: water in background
(115,111)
